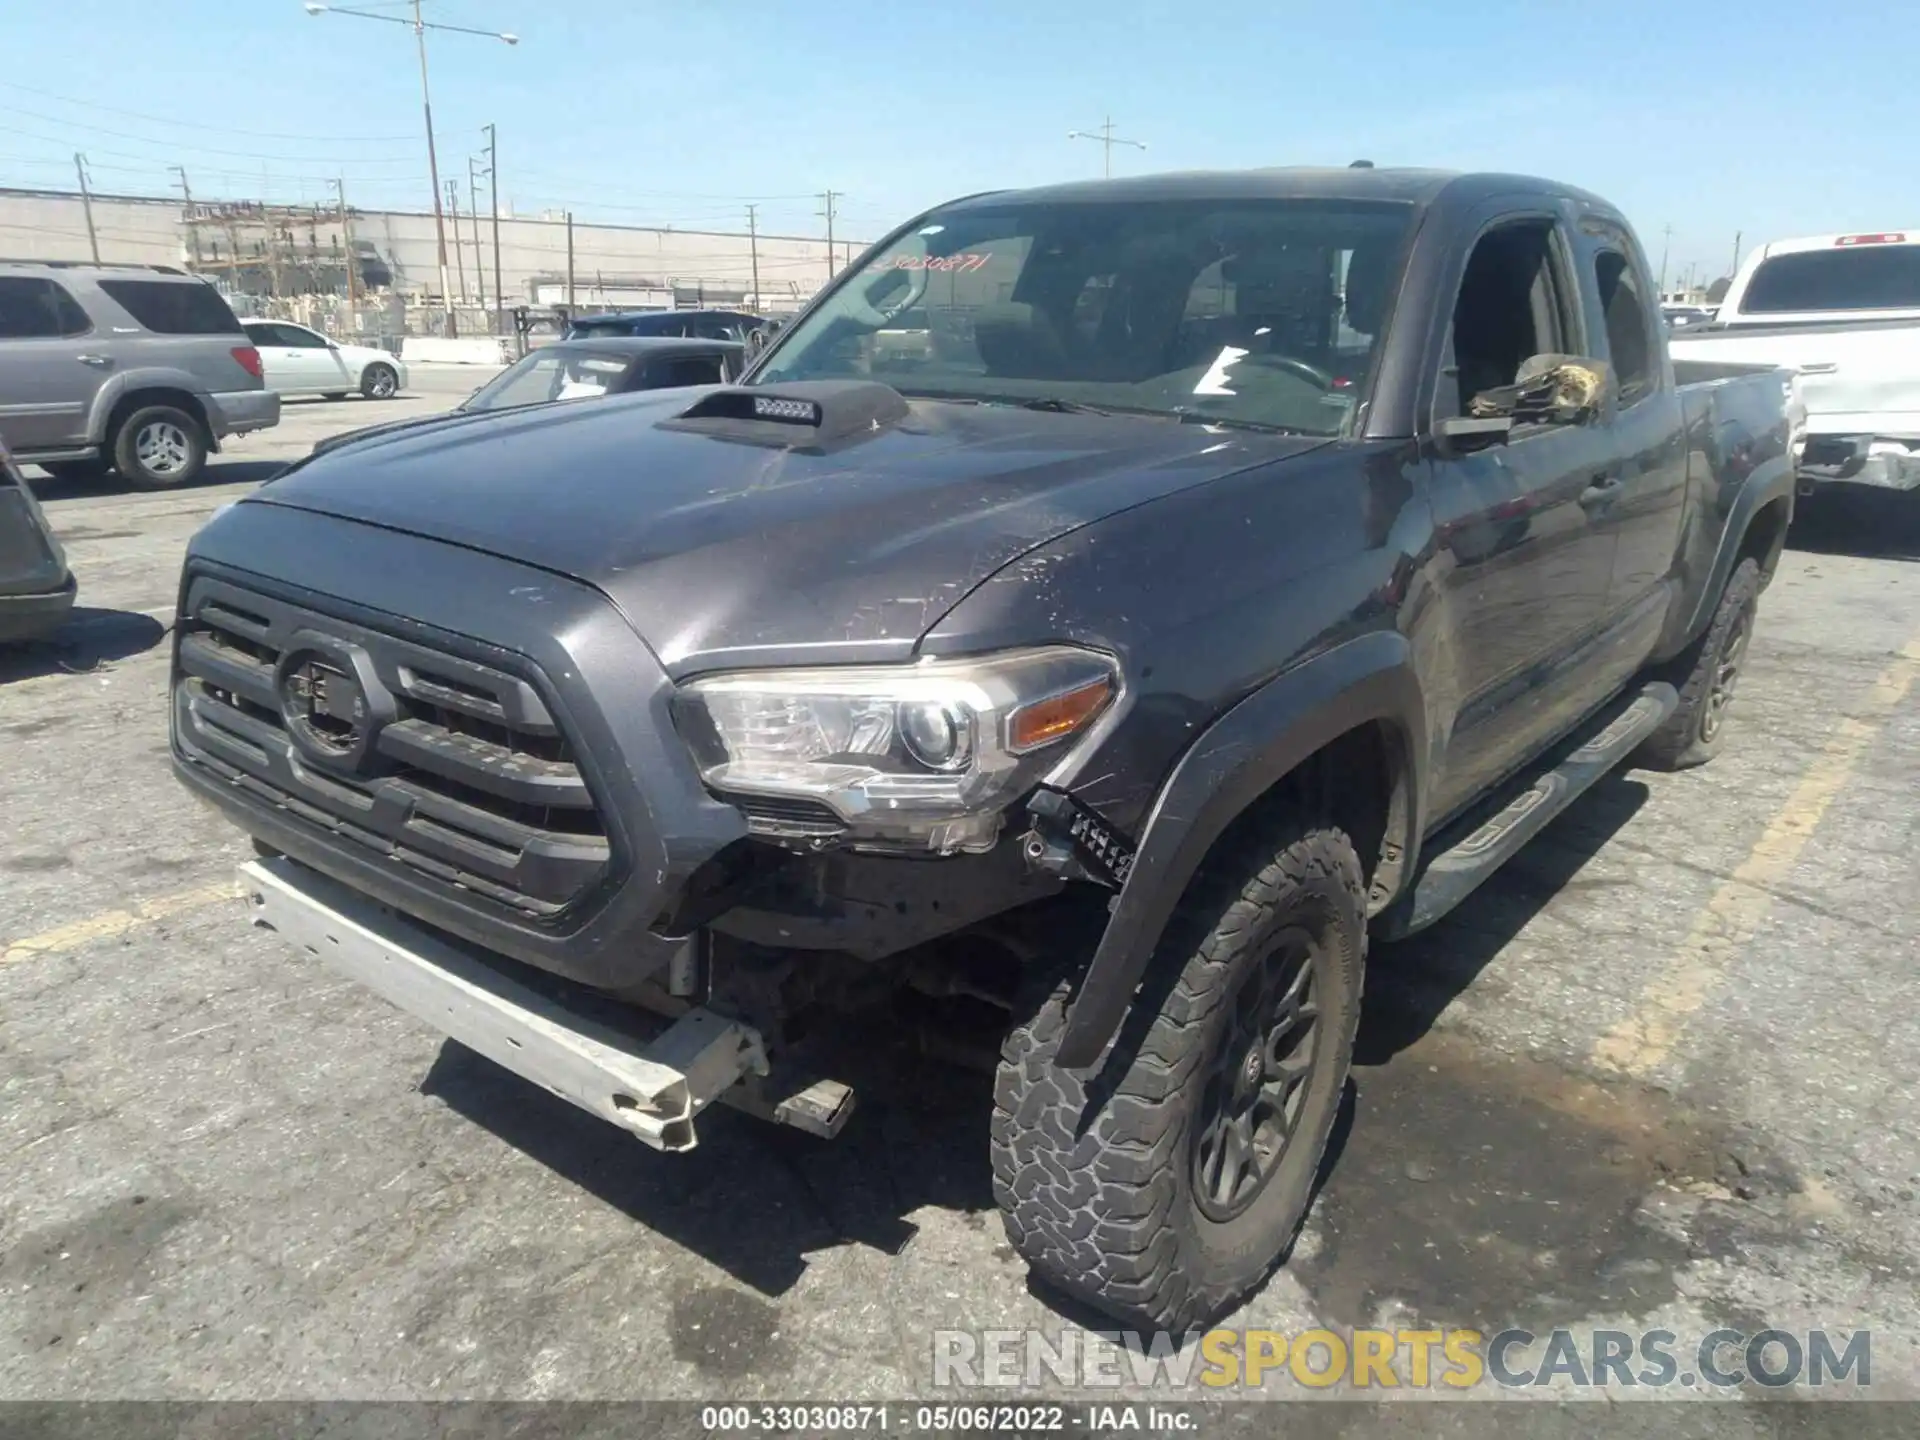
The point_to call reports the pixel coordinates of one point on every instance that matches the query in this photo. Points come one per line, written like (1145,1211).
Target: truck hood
(724,551)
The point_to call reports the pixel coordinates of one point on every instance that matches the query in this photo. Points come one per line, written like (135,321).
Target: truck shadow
(89,638)
(1858,520)
(752,1198)
(219,471)
(756,1201)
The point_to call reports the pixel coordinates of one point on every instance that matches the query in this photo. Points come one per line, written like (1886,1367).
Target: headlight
(920,757)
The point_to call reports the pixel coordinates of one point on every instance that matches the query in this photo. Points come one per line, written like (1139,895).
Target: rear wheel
(379,382)
(1164,1192)
(159,446)
(1706,675)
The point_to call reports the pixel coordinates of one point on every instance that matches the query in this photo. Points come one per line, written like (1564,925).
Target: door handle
(1603,491)
(98,360)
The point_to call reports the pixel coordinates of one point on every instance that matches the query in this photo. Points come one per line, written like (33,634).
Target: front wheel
(1164,1192)
(379,382)
(1705,675)
(159,447)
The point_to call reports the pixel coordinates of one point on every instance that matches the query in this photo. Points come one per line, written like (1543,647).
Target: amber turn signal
(1032,726)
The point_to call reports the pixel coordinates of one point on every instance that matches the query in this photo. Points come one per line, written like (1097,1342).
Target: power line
(195,125)
(201,149)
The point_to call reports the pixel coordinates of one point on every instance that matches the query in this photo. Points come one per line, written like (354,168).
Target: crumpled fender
(1234,762)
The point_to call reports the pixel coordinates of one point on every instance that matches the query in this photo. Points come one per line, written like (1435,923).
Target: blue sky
(1770,117)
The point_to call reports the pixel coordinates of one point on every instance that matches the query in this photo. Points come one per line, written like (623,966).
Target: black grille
(454,768)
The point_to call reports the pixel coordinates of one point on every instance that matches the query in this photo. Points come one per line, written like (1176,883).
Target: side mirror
(1464,434)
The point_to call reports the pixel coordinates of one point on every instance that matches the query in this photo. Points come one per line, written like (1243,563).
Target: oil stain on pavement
(1484,1189)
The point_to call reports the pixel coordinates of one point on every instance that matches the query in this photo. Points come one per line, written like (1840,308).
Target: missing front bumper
(651,1077)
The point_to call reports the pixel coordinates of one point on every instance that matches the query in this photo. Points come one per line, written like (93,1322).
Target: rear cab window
(33,307)
(174,307)
(1630,346)
(1860,276)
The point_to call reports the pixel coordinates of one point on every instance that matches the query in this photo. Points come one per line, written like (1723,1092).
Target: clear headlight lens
(921,757)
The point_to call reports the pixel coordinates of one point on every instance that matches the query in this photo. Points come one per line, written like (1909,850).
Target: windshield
(549,375)
(1255,312)
(1862,277)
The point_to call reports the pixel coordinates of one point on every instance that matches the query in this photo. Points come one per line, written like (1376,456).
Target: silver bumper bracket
(652,1085)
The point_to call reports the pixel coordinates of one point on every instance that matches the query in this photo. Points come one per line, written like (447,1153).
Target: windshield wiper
(1195,417)
(1054,405)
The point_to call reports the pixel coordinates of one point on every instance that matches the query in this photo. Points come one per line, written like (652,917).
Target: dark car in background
(36,588)
(688,324)
(581,370)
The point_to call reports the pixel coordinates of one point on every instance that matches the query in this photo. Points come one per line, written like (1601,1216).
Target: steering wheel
(863,311)
(1312,374)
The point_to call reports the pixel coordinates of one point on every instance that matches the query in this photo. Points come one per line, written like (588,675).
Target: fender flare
(1760,489)
(1234,762)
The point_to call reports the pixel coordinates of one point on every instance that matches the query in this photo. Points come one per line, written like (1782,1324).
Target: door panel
(47,379)
(1648,506)
(1526,579)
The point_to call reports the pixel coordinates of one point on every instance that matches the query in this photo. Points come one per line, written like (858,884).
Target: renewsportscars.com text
(1379,1359)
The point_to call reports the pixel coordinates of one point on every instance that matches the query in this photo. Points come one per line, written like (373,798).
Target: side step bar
(1457,871)
(650,1079)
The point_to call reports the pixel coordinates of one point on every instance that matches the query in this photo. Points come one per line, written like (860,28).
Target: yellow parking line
(1734,915)
(110,923)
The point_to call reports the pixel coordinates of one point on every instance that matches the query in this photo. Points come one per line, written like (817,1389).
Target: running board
(1457,871)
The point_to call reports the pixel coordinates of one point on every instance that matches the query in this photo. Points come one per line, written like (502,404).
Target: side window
(690,370)
(174,307)
(1510,308)
(260,334)
(301,338)
(717,330)
(33,308)
(1629,342)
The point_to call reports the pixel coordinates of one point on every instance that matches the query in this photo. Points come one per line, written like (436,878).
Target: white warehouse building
(283,252)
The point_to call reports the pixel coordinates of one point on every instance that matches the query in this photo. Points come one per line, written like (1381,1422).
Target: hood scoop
(815,416)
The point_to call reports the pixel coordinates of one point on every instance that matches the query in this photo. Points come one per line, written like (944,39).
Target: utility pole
(753,244)
(473,212)
(493,182)
(1107,140)
(353,259)
(193,230)
(1666,243)
(433,170)
(86,203)
(1736,254)
(826,209)
(459,259)
(420,28)
(569,266)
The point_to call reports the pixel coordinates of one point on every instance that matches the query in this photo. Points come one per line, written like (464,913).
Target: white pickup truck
(1843,311)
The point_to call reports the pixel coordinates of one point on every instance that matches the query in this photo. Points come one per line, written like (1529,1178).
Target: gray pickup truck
(139,369)
(1267,560)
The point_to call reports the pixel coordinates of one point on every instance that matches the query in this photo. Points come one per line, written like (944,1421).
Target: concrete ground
(1664,1070)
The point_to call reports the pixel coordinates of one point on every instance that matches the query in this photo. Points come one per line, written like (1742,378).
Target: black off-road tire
(178,450)
(379,382)
(1705,675)
(1095,1174)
